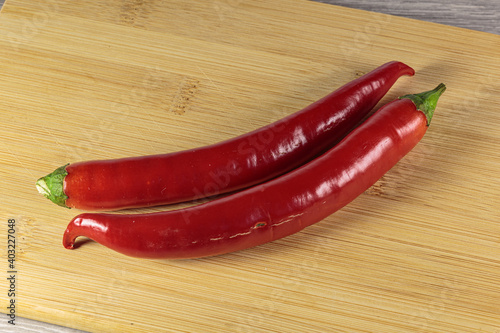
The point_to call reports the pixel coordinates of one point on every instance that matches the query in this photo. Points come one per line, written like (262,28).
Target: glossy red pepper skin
(268,211)
(233,164)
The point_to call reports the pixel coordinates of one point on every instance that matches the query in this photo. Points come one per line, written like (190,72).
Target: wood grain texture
(418,252)
(482,15)
(24,325)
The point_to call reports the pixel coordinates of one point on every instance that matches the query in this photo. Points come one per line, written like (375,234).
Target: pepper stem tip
(427,101)
(52,186)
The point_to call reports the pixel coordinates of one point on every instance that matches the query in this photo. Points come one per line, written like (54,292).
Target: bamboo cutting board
(418,252)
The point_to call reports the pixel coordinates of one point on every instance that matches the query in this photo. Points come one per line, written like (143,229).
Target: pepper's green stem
(52,186)
(427,101)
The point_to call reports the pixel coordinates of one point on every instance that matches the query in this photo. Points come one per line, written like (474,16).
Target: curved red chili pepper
(275,209)
(224,167)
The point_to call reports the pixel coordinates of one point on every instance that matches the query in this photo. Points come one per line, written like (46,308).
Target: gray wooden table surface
(482,15)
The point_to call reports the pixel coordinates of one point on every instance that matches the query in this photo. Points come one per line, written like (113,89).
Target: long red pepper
(274,209)
(224,167)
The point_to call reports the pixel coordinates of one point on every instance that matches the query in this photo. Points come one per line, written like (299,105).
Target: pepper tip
(68,240)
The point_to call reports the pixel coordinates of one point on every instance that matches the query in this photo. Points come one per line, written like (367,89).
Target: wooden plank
(481,15)
(82,80)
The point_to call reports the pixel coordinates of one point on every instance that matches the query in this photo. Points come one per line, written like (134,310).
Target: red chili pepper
(224,167)
(275,209)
